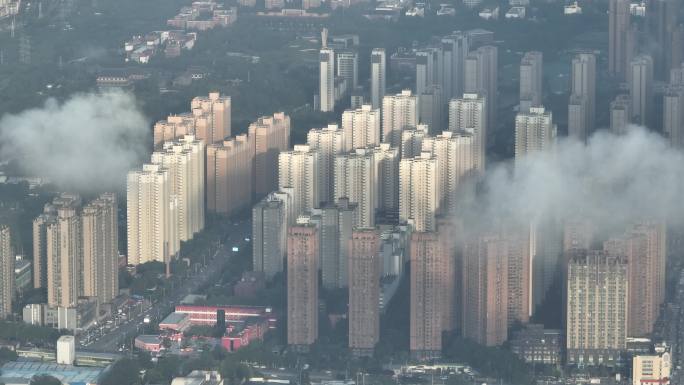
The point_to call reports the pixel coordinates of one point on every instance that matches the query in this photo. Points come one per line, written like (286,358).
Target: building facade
(302,286)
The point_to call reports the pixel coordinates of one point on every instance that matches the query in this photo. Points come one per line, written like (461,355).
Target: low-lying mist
(611,181)
(86,143)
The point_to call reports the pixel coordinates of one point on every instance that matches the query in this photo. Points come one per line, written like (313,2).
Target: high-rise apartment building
(412,141)
(520,285)
(428,282)
(645,249)
(577,235)
(545,249)
(347,67)
(662,20)
(531,75)
(534,132)
(40,225)
(302,286)
(378,77)
(209,121)
(270,135)
(269,235)
(335,225)
(431,107)
(454,51)
(216,110)
(481,71)
(184,160)
(427,68)
(469,114)
(361,127)
(327,80)
(620,114)
(7,272)
(328,142)
(151,216)
(485,290)
(399,112)
(418,192)
(618,28)
(298,170)
(454,152)
(175,126)
(386,160)
(640,79)
(355,179)
(229,175)
(65,252)
(100,266)
(582,106)
(673,115)
(364,291)
(597,307)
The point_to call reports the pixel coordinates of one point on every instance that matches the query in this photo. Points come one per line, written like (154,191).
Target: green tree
(123,372)
(7,355)
(44,379)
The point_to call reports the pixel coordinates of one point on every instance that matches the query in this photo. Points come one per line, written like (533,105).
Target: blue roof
(66,373)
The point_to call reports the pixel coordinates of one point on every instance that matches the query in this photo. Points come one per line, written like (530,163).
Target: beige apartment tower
(411,144)
(355,179)
(469,114)
(229,175)
(175,126)
(184,160)
(535,132)
(364,291)
(65,252)
(419,192)
(399,112)
(270,135)
(151,215)
(454,152)
(40,225)
(298,170)
(302,286)
(597,307)
(7,272)
(361,127)
(215,111)
(100,266)
(328,142)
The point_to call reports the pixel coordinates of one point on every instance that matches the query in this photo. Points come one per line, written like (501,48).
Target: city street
(112,340)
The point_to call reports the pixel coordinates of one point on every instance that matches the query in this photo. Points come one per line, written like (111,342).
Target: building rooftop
(149,339)
(174,318)
(66,373)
